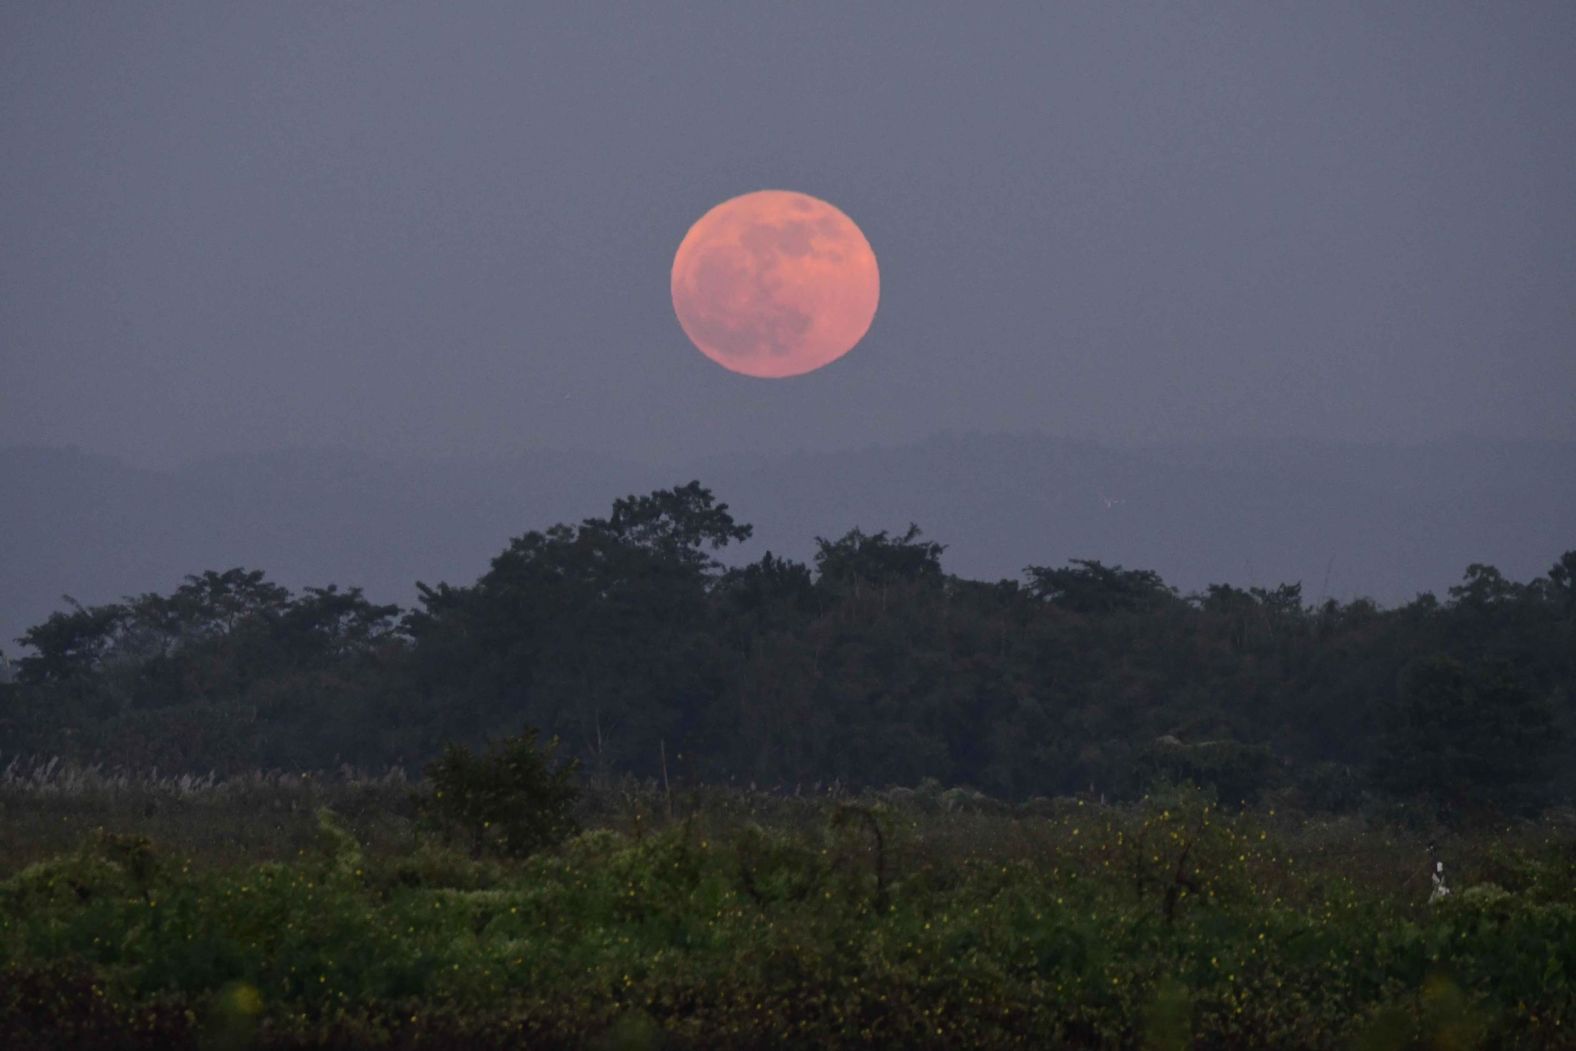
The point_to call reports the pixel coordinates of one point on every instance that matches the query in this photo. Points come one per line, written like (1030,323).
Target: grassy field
(294,911)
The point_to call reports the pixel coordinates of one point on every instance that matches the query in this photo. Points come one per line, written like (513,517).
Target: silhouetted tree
(1089,587)
(857,561)
(625,637)
(598,633)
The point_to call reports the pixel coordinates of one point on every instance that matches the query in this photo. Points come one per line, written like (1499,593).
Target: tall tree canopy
(627,637)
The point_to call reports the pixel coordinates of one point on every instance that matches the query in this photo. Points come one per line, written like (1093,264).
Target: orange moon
(775,284)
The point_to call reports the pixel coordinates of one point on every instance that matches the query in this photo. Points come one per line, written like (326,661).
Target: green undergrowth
(846,923)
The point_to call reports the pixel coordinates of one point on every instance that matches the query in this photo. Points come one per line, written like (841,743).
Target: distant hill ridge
(1345,520)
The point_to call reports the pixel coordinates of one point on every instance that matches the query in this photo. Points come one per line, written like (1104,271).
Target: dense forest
(629,640)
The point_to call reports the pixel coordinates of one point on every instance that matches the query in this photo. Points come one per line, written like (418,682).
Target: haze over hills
(1346,520)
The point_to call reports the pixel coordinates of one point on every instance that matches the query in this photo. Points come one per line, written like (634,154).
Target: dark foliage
(625,638)
(885,920)
(511,800)
(1466,736)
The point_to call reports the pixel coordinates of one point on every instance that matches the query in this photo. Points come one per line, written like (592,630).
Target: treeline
(625,637)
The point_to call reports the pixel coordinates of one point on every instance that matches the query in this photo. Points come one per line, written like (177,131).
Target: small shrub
(346,862)
(511,800)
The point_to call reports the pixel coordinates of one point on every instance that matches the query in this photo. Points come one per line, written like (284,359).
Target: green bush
(510,801)
(843,923)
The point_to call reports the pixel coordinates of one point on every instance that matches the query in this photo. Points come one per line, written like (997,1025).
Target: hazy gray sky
(447,228)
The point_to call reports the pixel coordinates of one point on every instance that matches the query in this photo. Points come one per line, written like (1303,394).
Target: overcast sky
(447,228)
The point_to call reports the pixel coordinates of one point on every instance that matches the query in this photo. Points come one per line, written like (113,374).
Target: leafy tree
(675,524)
(1092,588)
(858,561)
(216,604)
(70,644)
(599,633)
(1483,588)
(770,590)
(330,623)
(228,670)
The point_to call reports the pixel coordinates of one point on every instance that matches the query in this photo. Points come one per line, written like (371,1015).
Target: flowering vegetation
(919,918)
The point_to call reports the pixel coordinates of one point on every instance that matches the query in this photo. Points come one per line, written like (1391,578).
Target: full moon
(775,284)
